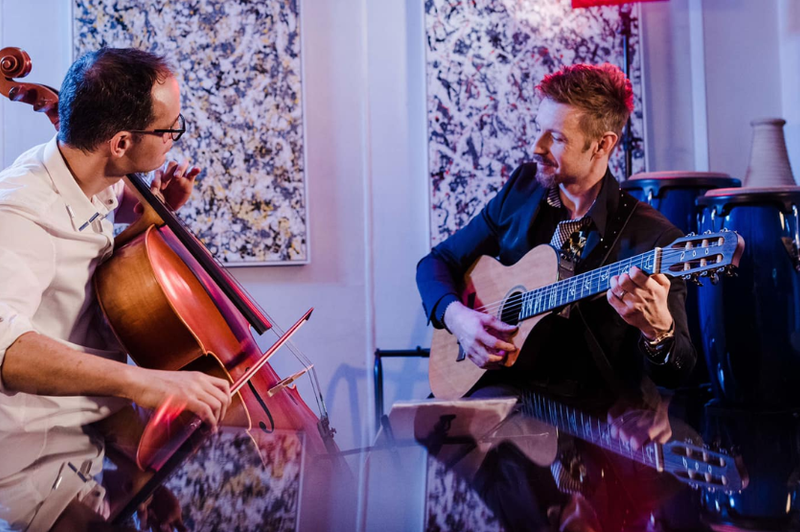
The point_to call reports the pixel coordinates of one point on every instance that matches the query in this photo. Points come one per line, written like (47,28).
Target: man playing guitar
(596,353)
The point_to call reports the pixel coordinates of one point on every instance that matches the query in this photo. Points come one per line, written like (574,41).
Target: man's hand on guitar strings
(484,338)
(638,426)
(641,301)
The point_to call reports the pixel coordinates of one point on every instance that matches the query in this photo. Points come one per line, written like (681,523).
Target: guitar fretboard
(553,296)
(589,428)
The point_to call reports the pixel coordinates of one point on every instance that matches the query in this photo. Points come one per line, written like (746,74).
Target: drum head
(652,183)
(679,174)
(724,199)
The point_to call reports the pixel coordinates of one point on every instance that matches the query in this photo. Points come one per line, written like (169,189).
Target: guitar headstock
(705,255)
(703,468)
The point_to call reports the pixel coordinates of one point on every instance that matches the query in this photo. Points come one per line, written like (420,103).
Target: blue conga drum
(751,323)
(673,194)
(766,448)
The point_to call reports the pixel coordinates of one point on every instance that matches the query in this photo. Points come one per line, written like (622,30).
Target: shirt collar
(606,201)
(81,209)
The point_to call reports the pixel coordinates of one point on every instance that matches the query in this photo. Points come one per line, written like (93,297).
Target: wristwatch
(658,349)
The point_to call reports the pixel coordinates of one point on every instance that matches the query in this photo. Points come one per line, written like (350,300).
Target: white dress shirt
(52,237)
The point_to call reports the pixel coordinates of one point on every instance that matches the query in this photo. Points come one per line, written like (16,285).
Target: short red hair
(601,92)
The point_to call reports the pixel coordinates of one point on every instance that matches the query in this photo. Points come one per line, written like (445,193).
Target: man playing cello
(60,368)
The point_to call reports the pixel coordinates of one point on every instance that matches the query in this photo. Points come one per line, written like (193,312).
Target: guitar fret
(526,305)
(566,291)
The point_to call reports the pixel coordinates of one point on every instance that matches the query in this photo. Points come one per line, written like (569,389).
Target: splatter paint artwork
(484,58)
(238,62)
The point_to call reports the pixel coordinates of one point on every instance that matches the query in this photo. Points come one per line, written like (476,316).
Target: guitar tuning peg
(707,232)
(696,280)
(714,277)
(692,234)
(730,271)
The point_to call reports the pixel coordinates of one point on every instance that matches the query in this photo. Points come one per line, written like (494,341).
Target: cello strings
(305,362)
(275,328)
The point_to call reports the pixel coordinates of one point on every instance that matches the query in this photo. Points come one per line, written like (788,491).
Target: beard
(545,172)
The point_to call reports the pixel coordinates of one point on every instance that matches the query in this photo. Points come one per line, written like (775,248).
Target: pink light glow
(593,3)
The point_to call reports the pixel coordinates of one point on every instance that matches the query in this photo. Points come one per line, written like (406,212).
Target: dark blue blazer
(515,221)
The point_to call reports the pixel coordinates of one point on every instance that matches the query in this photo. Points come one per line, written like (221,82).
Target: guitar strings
(559,292)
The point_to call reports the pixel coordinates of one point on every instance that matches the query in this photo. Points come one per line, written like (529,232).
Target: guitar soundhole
(511,308)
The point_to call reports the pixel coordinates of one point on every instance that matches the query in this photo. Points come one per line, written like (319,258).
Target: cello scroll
(16,63)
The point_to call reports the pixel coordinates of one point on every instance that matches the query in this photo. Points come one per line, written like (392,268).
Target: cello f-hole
(265,408)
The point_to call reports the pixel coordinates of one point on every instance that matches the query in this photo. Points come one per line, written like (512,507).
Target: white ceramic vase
(769,161)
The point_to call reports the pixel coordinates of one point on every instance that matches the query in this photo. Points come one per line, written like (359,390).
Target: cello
(173,307)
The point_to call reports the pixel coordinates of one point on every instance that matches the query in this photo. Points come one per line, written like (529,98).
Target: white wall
(750,53)
(399,188)
(789,37)
(43,29)
(743,76)
(667,74)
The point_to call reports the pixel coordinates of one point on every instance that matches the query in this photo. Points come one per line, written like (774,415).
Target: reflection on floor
(227,486)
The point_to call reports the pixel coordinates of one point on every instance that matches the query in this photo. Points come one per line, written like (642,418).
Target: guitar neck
(588,428)
(561,293)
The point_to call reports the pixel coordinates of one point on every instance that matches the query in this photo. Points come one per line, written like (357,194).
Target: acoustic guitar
(523,293)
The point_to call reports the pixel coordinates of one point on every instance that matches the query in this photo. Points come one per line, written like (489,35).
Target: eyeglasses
(174,133)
